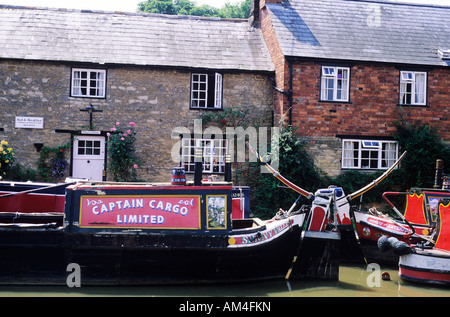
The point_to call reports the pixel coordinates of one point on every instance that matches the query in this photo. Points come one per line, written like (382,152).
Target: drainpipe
(290,93)
(286,93)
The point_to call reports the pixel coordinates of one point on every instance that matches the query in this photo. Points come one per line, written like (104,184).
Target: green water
(354,281)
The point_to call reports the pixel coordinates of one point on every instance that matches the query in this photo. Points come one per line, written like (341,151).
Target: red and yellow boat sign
(149,211)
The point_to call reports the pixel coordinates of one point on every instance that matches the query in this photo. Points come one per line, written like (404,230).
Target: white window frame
(412,86)
(88,83)
(214,151)
(334,84)
(368,154)
(201,83)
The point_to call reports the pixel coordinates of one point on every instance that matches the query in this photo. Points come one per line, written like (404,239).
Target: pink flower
(129,131)
(124,134)
(117,123)
(135,166)
(123,139)
(108,134)
(113,129)
(132,123)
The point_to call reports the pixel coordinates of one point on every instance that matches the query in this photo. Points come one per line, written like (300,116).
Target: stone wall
(157,100)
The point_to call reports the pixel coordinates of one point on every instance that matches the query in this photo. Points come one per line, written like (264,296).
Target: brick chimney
(255,10)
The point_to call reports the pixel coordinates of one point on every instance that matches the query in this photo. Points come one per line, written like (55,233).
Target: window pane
(213,154)
(370,154)
(334,84)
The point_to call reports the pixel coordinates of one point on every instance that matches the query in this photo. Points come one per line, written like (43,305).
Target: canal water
(354,281)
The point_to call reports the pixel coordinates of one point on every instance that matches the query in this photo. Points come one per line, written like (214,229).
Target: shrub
(6,157)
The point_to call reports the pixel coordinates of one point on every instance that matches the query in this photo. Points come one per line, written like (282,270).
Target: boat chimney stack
(198,166)
(228,168)
(438,176)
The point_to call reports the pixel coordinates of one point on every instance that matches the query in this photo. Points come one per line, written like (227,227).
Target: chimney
(255,10)
(254,13)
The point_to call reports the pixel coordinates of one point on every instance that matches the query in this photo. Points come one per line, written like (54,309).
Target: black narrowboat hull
(42,256)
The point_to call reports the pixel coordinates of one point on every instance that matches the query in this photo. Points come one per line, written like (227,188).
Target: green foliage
(294,164)
(187,7)
(231,117)
(18,172)
(6,157)
(123,161)
(424,147)
(52,164)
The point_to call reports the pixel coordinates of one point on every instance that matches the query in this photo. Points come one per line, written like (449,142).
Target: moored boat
(149,234)
(430,263)
(32,202)
(416,223)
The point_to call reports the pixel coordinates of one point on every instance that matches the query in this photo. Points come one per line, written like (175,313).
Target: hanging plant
(52,163)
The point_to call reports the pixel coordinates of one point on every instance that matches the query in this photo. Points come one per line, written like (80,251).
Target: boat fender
(399,247)
(383,244)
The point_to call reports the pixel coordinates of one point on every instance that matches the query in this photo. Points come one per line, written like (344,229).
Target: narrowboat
(416,223)
(429,263)
(142,233)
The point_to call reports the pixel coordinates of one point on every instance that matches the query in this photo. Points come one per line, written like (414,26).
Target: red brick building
(346,70)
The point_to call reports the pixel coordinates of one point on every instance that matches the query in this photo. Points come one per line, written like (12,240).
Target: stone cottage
(70,75)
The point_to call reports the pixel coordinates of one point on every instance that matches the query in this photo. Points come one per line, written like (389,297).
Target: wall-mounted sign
(134,211)
(29,122)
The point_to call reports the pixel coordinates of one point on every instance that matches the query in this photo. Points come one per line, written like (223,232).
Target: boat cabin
(146,207)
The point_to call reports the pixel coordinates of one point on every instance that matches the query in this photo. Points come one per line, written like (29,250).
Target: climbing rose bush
(122,162)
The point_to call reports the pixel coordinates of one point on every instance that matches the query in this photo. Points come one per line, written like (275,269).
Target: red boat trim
(384,230)
(424,275)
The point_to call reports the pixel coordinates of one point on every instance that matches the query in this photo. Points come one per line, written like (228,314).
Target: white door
(88,157)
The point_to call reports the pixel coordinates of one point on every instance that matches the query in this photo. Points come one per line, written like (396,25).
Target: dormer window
(444,53)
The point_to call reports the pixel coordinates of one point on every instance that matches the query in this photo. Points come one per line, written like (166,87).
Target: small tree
(123,161)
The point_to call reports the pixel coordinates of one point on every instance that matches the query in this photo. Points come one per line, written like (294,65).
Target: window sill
(413,106)
(336,101)
(207,109)
(363,169)
(87,97)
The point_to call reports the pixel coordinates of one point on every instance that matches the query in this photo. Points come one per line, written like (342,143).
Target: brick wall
(373,106)
(372,110)
(157,100)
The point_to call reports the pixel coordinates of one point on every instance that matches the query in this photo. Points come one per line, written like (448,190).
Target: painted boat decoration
(416,223)
(429,263)
(330,217)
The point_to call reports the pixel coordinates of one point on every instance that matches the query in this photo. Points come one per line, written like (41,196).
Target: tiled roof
(131,38)
(363,30)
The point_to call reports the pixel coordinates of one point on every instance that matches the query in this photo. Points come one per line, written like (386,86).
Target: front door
(88,157)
